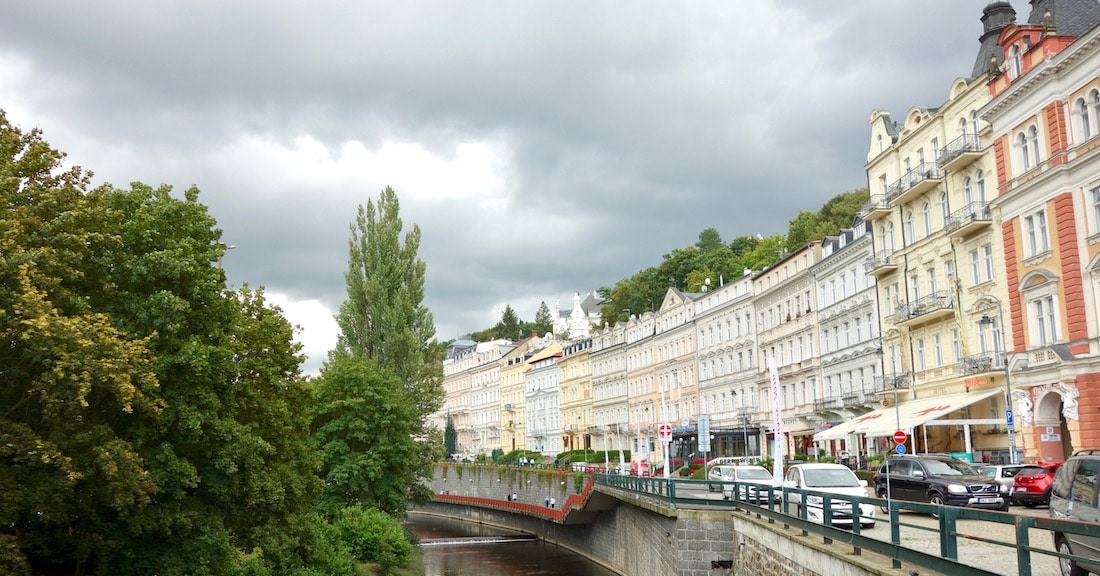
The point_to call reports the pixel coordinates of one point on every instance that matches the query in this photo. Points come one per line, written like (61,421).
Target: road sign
(664,432)
(900,448)
(900,437)
(704,433)
(1009,419)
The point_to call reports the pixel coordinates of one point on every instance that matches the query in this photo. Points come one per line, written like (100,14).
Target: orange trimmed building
(1045,114)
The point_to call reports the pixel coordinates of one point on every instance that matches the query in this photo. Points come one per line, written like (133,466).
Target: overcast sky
(543,148)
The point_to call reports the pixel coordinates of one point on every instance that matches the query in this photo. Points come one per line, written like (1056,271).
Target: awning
(884,421)
(916,412)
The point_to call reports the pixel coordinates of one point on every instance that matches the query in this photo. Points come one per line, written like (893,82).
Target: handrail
(778,504)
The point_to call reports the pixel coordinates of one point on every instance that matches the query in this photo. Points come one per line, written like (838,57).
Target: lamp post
(745,431)
(1010,423)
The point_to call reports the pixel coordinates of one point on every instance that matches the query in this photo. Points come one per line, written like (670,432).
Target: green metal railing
(777,507)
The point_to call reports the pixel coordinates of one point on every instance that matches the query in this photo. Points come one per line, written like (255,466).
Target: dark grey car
(1073,496)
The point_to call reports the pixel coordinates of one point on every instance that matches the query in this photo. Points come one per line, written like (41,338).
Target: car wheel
(885,509)
(936,500)
(1065,565)
(867,526)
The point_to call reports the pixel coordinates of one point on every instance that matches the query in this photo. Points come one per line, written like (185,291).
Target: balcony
(981,364)
(890,382)
(973,217)
(857,398)
(927,309)
(827,405)
(917,181)
(880,264)
(960,152)
(875,207)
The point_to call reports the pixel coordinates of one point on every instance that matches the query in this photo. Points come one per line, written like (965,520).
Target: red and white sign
(900,437)
(664,432)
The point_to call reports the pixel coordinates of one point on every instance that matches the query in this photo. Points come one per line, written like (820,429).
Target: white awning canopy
(885,421)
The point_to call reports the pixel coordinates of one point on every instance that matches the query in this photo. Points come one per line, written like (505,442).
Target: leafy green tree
(508,327)
(709,239)
(365,430)
(374,537)
(385,321)
(152,422)
(544,322)
(450,438)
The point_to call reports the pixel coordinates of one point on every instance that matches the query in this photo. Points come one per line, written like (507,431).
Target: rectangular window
(949,272)
(914,286)
(1094,197)
(921,365)
(975,268)
(987,260)
(1035,234)
(1046,324)
(932,281)
(937,350)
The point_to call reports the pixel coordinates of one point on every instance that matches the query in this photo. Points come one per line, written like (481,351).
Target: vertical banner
(777,423)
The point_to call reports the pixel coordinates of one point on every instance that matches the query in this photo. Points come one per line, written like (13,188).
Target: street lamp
(745,430)
(1010,423)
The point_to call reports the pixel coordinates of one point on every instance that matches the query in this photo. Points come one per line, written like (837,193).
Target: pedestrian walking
(546,501)
(553,502)
(515,497)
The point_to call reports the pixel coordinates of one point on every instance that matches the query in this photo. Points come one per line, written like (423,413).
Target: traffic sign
(664,432)
(900,437)
(900,448)
(1008,418)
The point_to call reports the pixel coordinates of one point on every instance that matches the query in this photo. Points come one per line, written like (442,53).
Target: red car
(1031,485)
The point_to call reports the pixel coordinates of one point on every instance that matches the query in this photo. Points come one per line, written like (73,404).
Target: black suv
(935,479)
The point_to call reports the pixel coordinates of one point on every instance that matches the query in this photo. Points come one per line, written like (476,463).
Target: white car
(755,481)
(836,480)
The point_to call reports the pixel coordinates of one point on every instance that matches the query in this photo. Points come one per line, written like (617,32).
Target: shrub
(373,536)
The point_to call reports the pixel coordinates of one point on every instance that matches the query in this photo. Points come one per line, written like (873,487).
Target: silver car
(750,482)
(1004,475)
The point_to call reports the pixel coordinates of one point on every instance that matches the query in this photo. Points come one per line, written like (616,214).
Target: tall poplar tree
(385,323)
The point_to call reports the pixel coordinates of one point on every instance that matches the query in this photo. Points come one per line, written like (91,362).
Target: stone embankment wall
(635,536)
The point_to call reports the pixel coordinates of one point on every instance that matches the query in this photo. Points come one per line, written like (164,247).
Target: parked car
(1003,475)
(836,480)
(733,460)
(1031,486)
(1073,497)
(940,480)
(756,480)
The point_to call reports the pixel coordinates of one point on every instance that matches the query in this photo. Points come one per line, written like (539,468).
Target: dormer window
(1014,66)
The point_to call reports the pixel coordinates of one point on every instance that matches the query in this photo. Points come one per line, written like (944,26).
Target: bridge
(652,526)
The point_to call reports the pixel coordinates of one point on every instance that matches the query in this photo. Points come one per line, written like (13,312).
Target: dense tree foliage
(544,322)
(150,421)
(388,365)
(710,258)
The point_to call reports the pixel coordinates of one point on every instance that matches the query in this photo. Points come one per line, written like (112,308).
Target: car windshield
(948,467)
(1026,470)
(753,474)
(829,478)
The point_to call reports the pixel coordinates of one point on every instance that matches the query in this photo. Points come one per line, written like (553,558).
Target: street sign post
(664,434)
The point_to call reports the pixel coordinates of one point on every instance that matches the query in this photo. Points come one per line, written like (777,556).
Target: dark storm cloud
(618,130)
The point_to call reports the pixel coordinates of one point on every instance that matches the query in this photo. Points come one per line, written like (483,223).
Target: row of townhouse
(962,307)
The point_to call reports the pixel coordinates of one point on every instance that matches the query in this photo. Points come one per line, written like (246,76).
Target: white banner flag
(777,423)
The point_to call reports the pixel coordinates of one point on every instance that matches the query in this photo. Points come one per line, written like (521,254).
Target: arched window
(926,216)
(1014,67)
(880,145)
(1085,125)
(889,237)
(962,126)
(979,187)
(1025,157)
(1033,141)
(968,191)
(910,234)
(944,208)
(974,122)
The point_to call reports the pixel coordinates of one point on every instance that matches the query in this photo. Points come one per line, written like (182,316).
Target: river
(473,556)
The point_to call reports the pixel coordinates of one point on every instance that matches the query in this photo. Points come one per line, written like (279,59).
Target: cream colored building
(939,269)
(727,386)
(784,297)
(575,366)
(609,388)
